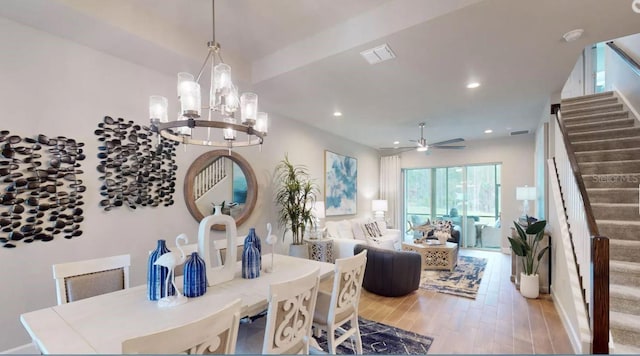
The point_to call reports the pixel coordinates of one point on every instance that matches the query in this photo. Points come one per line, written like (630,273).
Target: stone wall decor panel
(40,188)
(135,169)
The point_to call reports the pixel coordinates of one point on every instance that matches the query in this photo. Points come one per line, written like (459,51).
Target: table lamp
(525,194)
(318,213)
(379,207)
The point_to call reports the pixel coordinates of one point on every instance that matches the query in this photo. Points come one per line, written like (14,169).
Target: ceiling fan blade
(448,147)
(396,148)
(453,140)
(387,151)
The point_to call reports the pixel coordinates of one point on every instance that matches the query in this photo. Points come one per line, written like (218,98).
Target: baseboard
(28,349)
(574,338)
(627,104)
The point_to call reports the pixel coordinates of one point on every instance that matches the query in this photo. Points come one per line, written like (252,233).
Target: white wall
(56,87)
(574,86)
(619,75)
(516,155)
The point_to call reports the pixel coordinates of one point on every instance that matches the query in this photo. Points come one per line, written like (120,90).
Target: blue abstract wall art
(341,177)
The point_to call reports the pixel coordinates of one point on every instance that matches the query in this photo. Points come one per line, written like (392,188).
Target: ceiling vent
(378,54)
(521,132)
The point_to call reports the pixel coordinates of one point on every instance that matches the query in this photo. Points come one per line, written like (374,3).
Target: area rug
(379,338)
(464,281)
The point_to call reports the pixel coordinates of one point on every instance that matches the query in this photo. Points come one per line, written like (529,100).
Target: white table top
(101,323)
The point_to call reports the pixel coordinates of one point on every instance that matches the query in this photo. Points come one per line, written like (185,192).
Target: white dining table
(100,324)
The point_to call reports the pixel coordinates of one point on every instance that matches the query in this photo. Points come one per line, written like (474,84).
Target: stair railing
(625,57)
(591,251)
(209,177)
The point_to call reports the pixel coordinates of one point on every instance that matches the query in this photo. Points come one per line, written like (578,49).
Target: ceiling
(303,59)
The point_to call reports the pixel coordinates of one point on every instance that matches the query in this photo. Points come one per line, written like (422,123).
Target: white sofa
(346,234)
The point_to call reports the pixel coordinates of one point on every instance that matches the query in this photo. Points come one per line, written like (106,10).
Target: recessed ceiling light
(573,35)
(396,142)
(488,131)
(337,114)
(473,85)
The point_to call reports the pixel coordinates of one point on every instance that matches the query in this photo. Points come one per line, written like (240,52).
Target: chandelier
(221,113)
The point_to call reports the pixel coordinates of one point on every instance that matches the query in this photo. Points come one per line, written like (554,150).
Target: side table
(320,249)
(435,256)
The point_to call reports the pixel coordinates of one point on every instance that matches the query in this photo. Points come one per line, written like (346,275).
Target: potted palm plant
(527,246)
(295,195)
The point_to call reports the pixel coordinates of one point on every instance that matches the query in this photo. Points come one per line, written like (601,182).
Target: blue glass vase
(251,255)
(195,276)
(156,275)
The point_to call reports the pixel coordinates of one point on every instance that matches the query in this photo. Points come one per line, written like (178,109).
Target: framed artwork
(340,187)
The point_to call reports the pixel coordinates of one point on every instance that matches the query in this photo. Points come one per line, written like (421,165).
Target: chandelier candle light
(224,102)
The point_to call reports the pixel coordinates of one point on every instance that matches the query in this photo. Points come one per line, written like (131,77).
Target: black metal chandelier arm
(164,129)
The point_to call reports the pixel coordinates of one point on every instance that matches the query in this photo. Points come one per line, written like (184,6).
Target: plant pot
(301,251)
(529,285)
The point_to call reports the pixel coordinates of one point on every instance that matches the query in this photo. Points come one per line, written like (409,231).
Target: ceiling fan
(422,146)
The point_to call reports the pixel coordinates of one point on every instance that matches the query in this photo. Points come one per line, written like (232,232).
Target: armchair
(491,236)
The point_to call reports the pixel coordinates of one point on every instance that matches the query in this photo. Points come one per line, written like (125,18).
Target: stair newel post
(600,296)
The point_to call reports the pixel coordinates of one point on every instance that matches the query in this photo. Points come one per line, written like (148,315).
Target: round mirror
(222,180)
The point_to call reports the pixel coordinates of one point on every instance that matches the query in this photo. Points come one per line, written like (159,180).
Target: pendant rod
(213,22)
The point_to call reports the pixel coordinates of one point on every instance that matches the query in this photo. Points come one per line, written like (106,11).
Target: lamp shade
(158,108)
(526,193)
(318,210)
(379,205)
(249,108)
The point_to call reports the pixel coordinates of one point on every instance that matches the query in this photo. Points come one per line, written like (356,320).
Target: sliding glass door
(468,196)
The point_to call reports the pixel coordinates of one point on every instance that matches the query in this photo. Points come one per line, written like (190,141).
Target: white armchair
(491,236)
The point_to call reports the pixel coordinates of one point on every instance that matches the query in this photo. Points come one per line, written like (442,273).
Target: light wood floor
(498,321)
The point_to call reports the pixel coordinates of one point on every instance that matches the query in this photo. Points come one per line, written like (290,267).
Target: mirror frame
(203,161)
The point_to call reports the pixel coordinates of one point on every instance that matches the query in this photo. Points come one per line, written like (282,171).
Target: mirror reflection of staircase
(606,139)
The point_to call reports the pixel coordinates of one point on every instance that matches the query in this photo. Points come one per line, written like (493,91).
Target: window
(469,196)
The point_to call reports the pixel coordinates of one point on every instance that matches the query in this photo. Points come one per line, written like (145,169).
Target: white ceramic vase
(217,210)
(301,251)
(529,285)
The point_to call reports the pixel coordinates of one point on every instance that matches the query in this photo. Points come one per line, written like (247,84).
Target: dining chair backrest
(221,248)
(335,310)
(347,285)
(215,333)
(188,250)
(88,278)
(218,254)
(290,315)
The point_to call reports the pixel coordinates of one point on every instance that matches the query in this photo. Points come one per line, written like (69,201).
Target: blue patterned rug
(464,281)
(383,339)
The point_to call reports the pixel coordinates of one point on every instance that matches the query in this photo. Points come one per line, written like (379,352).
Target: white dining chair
(88,278)
(340,307)
(217,255)
(290,314)
(215,333)
(221,248)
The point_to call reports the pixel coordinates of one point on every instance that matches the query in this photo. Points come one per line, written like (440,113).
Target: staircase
(606,140)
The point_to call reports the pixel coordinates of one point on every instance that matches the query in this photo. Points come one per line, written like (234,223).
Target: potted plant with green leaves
(295,194)
(527,246)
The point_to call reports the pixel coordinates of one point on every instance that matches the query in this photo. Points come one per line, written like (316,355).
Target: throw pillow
(344,230)
(371,230)
(382,226)
(332,229)
(358,232)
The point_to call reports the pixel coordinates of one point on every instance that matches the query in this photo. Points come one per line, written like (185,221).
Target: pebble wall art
(135,168)
(40,188)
